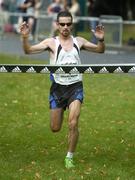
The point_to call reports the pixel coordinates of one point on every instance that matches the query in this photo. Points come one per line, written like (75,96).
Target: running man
(67,89)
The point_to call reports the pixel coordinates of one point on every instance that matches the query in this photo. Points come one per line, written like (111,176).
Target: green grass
(30,151)
(128,32)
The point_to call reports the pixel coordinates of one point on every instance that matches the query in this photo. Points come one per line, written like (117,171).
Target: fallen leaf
(122,140)
(51,173)
(37,175)
(103,172)
(15,101)
(33,162)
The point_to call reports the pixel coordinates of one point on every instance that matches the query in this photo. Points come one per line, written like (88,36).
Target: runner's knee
(73,124)
(55,128)
(55,125)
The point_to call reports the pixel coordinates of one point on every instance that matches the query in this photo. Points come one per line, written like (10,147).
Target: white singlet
(63,57)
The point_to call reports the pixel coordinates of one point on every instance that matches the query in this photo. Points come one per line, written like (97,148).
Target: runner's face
(65,26)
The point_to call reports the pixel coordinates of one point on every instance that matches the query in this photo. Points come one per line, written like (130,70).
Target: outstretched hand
(24,29)
(99,32)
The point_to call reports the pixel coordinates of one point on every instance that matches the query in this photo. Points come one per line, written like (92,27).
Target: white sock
(69,155)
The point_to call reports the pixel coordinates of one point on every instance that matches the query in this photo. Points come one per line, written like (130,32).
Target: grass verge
(29,150)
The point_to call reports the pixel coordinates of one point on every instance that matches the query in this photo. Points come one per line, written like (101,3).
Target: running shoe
(69,163)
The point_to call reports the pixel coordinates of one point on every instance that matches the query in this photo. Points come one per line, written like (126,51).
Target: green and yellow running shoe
(69,163)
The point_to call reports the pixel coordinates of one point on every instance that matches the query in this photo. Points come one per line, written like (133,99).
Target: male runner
(67,89)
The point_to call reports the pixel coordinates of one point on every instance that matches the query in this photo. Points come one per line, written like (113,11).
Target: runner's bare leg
(74,113)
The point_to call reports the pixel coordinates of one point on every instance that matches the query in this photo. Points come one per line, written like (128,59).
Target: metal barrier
(113,29)
(71,69)
(113,26)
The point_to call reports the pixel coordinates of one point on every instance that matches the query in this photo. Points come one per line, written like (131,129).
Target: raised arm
(100,46)
(32,49)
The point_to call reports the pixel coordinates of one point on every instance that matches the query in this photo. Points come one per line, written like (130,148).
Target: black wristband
(101,40)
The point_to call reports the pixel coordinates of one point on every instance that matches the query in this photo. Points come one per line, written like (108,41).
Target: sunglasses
(63,24)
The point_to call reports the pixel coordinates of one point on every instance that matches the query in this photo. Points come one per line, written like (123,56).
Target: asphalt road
(11,44)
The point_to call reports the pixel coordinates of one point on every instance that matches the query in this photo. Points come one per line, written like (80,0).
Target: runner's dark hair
(64,14)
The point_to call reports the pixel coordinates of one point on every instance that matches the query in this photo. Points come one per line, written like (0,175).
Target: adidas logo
(31,70)
(3,69)
(16,69)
